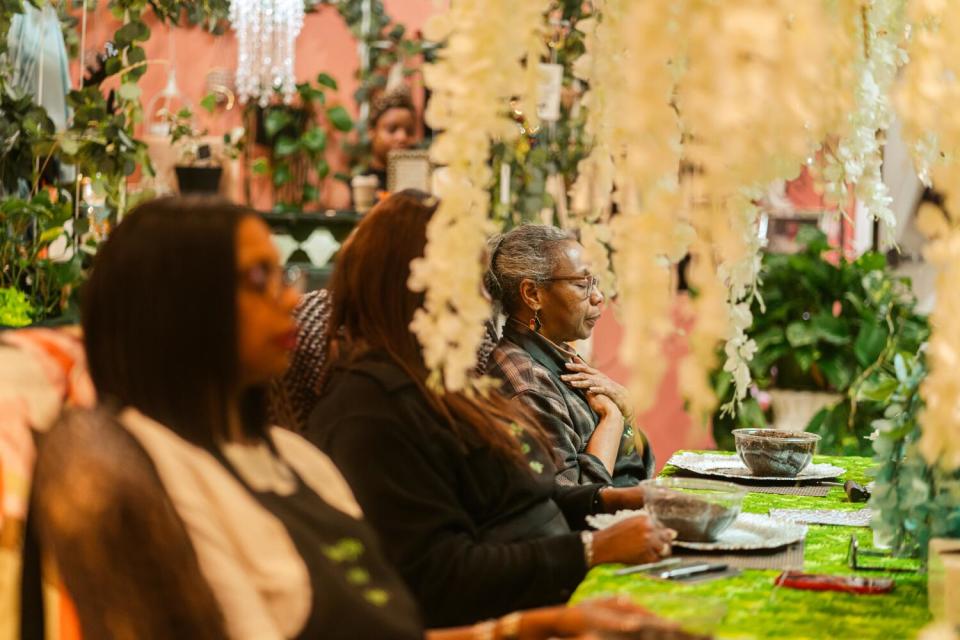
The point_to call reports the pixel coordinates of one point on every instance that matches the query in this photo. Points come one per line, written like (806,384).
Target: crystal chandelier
(267,31)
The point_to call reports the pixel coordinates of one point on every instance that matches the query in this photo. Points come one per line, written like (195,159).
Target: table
(749,606)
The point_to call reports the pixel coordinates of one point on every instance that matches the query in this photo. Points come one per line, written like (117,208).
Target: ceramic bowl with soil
(774,453)
(698,510)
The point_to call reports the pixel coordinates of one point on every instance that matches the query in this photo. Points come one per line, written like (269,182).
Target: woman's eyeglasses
(586,284)
(273,280)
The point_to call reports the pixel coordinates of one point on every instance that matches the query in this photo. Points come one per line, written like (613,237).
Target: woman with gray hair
(540,277)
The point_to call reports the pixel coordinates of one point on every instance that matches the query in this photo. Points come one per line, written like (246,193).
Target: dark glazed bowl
(698,510)
(774,453)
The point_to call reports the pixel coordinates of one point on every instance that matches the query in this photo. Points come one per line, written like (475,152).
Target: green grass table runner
(750,606)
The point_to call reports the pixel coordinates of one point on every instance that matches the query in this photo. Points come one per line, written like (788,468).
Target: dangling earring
(535,321)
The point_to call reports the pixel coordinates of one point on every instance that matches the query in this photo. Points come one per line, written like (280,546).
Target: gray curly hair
(527,252)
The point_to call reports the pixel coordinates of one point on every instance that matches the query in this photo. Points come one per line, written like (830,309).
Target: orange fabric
(32,396)
(69,622)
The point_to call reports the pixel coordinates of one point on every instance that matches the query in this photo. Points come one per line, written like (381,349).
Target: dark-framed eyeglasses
(273,280)
(585,283)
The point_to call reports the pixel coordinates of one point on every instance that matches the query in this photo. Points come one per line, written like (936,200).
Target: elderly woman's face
(570,302)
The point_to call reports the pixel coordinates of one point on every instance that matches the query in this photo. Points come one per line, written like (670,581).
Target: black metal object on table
(856,555)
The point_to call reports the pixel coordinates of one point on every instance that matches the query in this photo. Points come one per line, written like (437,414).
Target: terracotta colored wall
(325,44)
(667,425)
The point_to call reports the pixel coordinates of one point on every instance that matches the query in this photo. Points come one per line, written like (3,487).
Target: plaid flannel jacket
(530,367)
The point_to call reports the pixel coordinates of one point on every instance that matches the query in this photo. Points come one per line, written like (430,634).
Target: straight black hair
(159,319)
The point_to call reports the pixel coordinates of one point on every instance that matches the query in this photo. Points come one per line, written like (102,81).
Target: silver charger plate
(730,466)
(750,532)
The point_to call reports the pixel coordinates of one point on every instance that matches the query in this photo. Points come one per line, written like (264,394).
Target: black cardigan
(473,535)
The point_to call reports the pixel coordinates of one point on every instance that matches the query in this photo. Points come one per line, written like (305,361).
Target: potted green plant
(296,140)
(824,325)
(199,166)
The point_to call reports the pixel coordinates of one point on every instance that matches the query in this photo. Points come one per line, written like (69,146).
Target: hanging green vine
(553,149)
(99,143)
(388,43)
(914,501)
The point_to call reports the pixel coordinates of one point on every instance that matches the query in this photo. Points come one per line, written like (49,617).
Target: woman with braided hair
(541,281)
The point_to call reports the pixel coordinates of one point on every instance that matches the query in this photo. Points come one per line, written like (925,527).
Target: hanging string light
(267,31)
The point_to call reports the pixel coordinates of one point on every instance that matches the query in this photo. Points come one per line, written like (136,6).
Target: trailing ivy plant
(551,149)
(389,43)
(297,143)
(913,501)
(823,325)
(35,203)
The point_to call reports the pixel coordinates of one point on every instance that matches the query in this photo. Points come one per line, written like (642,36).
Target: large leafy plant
(37,199)
(23,126)
(832,325)
(297,143)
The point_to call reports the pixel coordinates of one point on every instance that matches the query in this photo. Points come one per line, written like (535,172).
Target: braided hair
(293,395)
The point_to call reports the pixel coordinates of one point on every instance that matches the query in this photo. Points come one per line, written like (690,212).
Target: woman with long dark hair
(459,486)
(186,319)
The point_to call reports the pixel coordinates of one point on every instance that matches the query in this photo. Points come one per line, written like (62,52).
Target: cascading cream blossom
(476,73)
(858,157)
(763,82)
(741,273)
(928,96)
(592,193)
(590,209)
(634,163)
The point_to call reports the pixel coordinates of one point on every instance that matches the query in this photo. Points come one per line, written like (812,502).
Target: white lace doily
(727,466)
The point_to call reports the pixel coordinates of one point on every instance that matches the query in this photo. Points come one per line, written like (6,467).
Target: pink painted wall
(668,426)
(325,44)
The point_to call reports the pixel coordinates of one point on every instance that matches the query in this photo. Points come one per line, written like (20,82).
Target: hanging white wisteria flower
(857,158)
(634,162)
(592,193)
(762,84)
(741,273)
(478,70)
(267,32)
(930,90)
(940,390)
